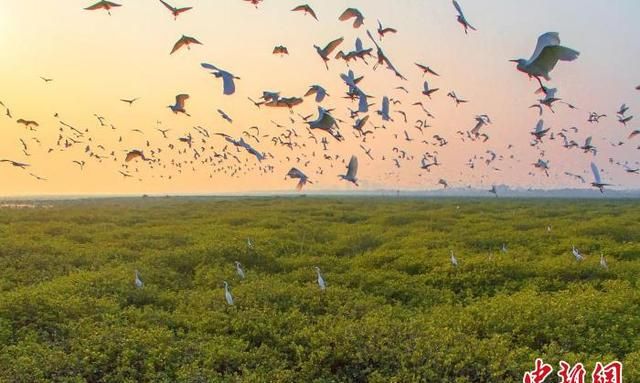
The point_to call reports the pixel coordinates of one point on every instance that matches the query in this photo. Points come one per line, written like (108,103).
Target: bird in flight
(297,173)
(184,41)
(179,105)
(46,80)
(280,50)
(228,83)
(426,70)
(106,5)
(461,19)
(327,50)
(175,11)
(597,181)
(383,31)
(133,154)
(355,14)
(306,9)
(16,164)
(545,57)
(352,171)
(130,101)
(254,2)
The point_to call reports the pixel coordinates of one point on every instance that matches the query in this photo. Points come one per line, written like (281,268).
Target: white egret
(319,91)
(597,181)
(184,41)
(384,110)
(306,9)
(545,57)
(297,173)
(227,294)
(454,260)
(327,123)
(461,18)
(239,270)
(228,84)
(321,282)
(106,5)
(138,282)
(603,262)
(352,171)
(355,14)
(327,50)
(174,10)
(576,253)
(428,92)
(179,105)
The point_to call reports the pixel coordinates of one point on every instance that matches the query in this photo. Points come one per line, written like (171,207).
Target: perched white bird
(597,183)
(239,270)
(603,262)
(228,85)
(545,57)
(504,248)
(352,171)
(461,19)
(227,294)
(454,260)
(321,282)
(576,253)
(138,281)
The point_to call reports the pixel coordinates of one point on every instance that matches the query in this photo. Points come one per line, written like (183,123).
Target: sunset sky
(95,59)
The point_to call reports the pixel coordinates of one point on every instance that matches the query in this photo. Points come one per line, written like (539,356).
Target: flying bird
(184,41)
(319,91)
(133,154)
(545,57)
(461,19)
(280,50)
(179,105)
(352,171)
(297,173)
(175,11)
(383,31)
(228,83)
(306,9)
(327,50)
(426,70)
(355,14)
(106,5)
(597,181)
(130,101)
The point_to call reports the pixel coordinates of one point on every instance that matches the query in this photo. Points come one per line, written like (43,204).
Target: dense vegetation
(395,310)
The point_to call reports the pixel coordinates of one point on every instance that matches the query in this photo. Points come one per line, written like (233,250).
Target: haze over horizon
(95,60)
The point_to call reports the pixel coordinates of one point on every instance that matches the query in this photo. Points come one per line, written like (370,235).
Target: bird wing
(179,44)
(180,100)
(353,167)
(333,45)
(545,40)
(209,66)
(228,84)
(359,46)
(458,8)
(596,173)
(349,13)
(192,40)
(540,126)
(550,56)
(363,104)
(133,155)
(169,7)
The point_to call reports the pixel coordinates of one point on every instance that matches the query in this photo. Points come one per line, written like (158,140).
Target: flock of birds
(322,285)
(309,137)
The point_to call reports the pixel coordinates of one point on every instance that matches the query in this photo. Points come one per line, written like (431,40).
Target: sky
(95,60)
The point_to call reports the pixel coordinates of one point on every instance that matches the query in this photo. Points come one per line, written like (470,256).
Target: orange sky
(96,59)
